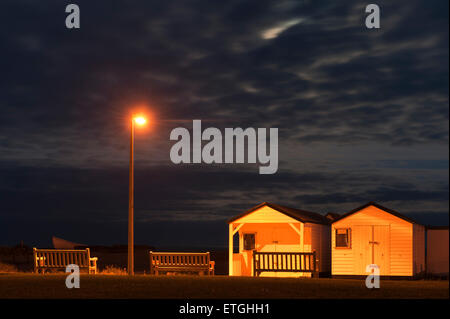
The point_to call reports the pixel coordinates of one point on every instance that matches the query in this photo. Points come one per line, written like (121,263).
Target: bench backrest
(59,258)
(168,259)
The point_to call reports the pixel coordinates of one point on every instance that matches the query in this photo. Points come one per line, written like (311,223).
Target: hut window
(249,241)
(343,238)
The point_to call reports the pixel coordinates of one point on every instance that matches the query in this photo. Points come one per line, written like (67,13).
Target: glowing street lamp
(135,120)
(140,120)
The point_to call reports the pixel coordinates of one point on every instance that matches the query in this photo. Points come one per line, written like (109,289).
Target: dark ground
(224,287)
(24,284)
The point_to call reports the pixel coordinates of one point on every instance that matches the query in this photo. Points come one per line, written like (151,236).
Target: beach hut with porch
(373,234)
(279,241)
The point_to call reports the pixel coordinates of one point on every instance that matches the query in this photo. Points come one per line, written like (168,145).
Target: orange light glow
(140,120)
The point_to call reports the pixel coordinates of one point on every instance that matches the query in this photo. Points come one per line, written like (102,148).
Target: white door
(381,249)
(371,246)
(362,253)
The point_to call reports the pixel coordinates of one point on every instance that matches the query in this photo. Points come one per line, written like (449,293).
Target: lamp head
(140,120)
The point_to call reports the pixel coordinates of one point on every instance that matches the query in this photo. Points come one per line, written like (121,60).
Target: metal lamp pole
(131,205)
(139,120)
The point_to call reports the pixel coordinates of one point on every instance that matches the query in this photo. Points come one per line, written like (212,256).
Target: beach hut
(269,228)
(437,251)
(373,234)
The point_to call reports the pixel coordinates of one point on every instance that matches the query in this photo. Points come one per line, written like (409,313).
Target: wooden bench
(181,262)
(45,259)
(284,262)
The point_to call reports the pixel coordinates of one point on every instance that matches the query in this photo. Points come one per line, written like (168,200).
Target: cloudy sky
(362,114)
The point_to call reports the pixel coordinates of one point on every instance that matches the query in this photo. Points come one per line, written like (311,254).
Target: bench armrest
(93,264)
(40,261)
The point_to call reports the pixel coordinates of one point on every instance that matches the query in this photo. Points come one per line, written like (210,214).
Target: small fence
(284,262)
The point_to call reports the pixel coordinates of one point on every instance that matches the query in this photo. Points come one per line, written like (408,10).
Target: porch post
(230,249)
(302,236)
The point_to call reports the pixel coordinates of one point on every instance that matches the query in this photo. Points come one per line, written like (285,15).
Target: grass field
(141,286)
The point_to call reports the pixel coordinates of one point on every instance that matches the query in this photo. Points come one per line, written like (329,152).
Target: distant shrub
(113,270)
(4,268)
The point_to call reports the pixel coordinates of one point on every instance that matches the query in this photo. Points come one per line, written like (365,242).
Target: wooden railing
(181,262)
(284,262)
(61,258)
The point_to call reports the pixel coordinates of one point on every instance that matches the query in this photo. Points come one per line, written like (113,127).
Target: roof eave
(278,209)
(387,210)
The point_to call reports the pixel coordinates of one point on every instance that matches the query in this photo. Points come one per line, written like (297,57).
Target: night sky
(362,113)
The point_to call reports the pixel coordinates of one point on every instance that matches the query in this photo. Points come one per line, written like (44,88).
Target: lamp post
(140,120)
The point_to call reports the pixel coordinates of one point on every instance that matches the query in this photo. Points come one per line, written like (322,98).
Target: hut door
(275,239)
(380,248)
(274,246)
(249,244)
(371,246)
(362,235)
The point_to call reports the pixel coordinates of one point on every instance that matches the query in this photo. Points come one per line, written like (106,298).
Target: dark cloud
(63,199)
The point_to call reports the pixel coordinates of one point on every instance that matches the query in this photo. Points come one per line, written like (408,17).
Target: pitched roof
(388,210)
(298,214)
